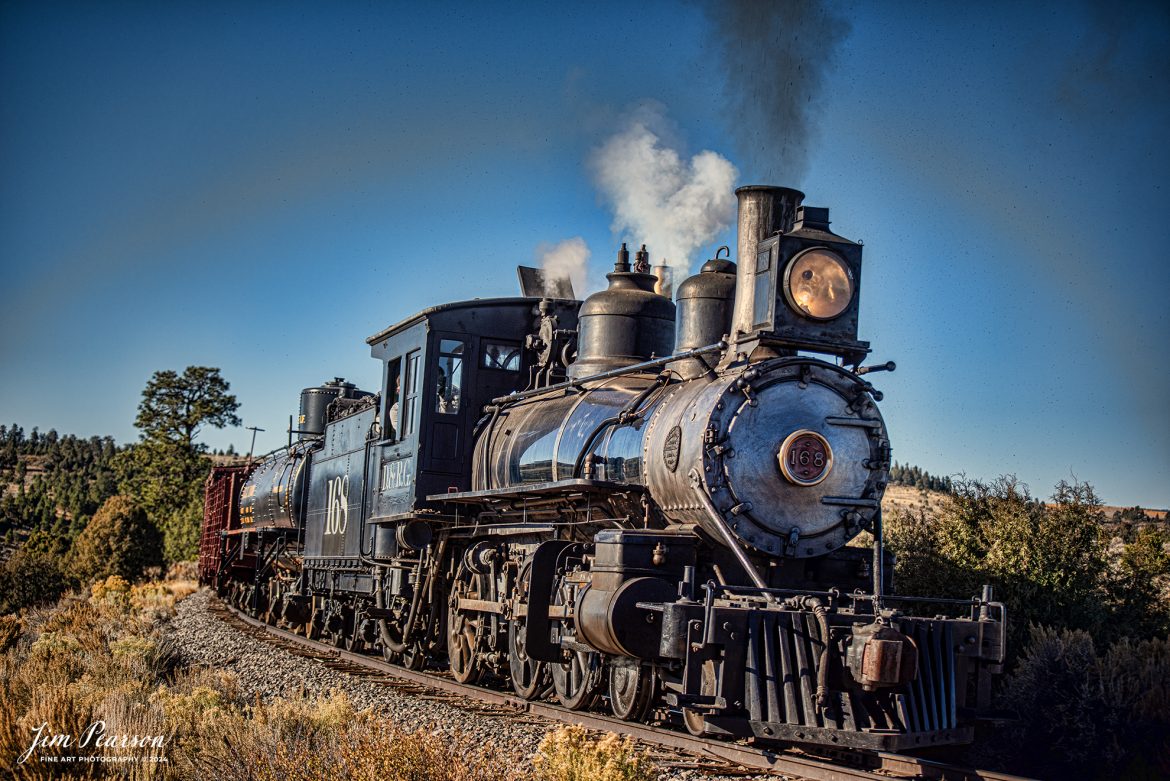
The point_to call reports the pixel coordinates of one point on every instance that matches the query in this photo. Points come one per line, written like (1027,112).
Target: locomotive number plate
(805,458)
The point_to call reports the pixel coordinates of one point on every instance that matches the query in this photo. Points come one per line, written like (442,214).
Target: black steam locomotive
(624,499)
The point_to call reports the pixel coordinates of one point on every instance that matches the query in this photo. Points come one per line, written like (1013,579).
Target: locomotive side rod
(889,765)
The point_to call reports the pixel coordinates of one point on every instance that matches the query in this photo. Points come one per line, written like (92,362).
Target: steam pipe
(379,601)
(371,435)
(415,601)
(820,612)
(878,557)
(728,537)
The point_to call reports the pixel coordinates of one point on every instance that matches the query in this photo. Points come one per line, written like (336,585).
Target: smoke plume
(568,258)
(659,198)
(776,55)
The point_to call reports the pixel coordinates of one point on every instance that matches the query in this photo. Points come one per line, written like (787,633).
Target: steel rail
(765,761)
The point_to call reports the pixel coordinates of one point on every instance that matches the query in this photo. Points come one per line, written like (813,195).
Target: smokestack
(763,211)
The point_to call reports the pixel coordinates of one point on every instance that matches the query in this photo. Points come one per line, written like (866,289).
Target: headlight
(818,284)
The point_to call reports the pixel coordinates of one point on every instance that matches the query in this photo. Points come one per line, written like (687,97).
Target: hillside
(906,498)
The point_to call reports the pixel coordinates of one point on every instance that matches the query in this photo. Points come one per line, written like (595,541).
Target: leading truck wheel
(415,657)
(578,680)
(696,720)
(631,690)
(353,639)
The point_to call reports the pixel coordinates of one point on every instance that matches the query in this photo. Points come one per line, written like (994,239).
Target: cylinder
(611,621)
(763,211)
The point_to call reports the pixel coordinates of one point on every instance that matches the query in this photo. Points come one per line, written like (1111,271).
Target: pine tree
(166,469)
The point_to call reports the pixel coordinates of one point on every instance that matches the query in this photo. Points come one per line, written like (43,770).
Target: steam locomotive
(627,500)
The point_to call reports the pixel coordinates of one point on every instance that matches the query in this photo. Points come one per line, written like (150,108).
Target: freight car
(629,500)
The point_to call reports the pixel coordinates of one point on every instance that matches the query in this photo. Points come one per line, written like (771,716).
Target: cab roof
(475,303)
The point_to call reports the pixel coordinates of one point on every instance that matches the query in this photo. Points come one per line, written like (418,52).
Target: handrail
(631,369)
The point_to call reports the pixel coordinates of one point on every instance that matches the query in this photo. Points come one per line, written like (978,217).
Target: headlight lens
(818,284)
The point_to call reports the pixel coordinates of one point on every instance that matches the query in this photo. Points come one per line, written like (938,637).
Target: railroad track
(703,754)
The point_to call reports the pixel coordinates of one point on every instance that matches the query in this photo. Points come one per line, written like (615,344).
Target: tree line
(76,510)
(58,482)
(916,477)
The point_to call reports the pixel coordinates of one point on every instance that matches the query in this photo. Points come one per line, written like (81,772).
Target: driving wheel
(577,680)
(463,630)
(529,676)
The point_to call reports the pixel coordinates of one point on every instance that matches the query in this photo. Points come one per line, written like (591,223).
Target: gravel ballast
(266,671)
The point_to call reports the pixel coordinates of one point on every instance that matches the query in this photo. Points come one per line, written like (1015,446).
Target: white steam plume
(568,258)
(673,205)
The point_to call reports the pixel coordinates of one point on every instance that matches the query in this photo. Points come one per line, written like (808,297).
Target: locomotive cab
(440,368)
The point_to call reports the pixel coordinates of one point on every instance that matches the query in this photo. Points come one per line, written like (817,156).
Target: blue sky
(260,186)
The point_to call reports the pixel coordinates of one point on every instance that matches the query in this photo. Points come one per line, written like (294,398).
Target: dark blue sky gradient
(260,186)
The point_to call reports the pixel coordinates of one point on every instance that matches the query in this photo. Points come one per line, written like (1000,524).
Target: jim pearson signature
(94,735)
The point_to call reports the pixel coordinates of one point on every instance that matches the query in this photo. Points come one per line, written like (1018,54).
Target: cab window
(501,356)
(413,385)
(449,377)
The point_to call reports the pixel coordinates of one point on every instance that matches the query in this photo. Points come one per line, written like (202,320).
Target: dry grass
(904,498)
(311,740)
(570,754)
(105,657)
(85,660)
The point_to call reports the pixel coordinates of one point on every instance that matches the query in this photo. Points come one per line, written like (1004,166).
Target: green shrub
(29,578)
(1085,714)
(1138,585)
(1046,561)
(119,540)
(180,531)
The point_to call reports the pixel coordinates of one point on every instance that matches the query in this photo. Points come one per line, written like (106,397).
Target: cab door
(448,407)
